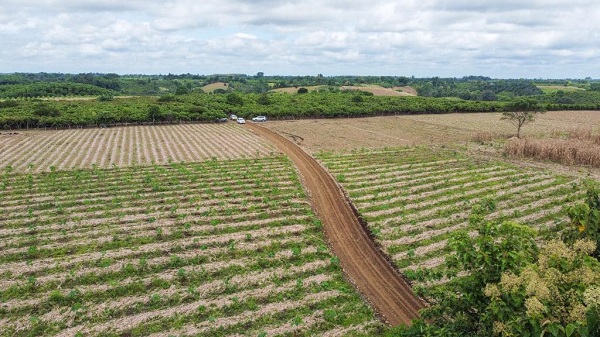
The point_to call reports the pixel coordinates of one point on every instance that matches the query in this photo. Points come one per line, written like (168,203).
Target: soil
(377,90)
(344,134)
(363,263)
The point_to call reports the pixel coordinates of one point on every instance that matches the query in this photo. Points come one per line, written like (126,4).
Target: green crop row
(219,248)
(418,197)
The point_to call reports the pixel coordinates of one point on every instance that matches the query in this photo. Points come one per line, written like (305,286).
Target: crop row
(418,197)
(126,146)
(211,256)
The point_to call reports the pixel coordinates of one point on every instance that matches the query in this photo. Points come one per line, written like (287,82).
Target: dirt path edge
(363,263)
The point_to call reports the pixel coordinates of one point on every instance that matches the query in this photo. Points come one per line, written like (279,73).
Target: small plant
(585,218)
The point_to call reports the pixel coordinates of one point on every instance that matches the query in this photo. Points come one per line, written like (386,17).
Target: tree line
(201,107)
(18,114)
(467,88)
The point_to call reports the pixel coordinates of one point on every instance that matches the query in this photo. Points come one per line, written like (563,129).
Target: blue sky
(503,39)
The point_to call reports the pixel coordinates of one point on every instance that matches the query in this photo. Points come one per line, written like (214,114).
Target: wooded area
(49,100)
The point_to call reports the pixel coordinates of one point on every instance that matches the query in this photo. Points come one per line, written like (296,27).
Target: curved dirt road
(361,261)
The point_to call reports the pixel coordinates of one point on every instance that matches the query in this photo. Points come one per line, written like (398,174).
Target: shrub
(585,218)
(497,248)
(556,295)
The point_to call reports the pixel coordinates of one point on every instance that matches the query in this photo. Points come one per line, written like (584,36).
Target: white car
(259,119)
(241,121)
(233,117)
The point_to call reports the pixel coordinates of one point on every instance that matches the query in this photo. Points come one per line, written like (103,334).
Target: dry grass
(584,135)
(214,86)
(403,130)
(580,147)
(483,137)
(377,90)
(374,89)
(294,90)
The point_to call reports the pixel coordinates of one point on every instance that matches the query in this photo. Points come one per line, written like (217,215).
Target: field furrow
(415,201)
(215,248)
(126,146)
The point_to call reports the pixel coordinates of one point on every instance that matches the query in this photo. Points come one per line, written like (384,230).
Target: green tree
(302,90)
(263,99)
(181,90)
(45,109)
(153,112)
(235,99)
(521,111)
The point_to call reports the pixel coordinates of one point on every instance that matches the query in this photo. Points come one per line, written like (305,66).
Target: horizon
(302,75)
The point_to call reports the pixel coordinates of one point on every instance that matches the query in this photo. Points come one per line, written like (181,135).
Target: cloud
(413,37)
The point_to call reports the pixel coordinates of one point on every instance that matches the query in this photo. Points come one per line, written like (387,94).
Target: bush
(585,218)
(458,306)
(558,295)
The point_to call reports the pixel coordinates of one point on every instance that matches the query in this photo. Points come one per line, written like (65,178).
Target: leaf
(554,329)
(570,329)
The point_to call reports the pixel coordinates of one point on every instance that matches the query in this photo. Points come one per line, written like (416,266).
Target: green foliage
(475,88)
(585,218)
(46,109)
(235,99)
(263,99)
(106,97)
(302,90)
(167,98)
(51,90)
(457,307)
(557,296)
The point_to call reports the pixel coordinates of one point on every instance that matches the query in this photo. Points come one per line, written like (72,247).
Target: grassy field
(213,248)
(548,89)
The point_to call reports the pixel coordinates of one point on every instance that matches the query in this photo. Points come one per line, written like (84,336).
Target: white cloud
(511,38)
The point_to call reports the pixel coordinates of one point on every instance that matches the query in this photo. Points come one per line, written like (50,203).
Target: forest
(45,100)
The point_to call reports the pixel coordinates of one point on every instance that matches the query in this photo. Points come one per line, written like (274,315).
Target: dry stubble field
(403,130)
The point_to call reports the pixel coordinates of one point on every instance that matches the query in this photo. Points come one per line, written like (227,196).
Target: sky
(422,38)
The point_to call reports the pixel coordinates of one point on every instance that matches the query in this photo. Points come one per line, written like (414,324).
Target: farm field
(376,90)
(414,198)
(178,249)
(379,132)
(127,146)
(205,229)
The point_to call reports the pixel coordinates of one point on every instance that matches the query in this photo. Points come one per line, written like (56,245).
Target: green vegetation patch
(211,248)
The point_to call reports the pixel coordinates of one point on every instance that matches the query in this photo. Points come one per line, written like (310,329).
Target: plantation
(211,248)
(127,146)
(415,198)
(205,229)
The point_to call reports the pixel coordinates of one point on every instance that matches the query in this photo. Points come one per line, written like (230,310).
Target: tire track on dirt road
(364,264)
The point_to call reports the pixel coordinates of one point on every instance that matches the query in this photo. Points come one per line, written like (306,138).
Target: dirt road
(362,262)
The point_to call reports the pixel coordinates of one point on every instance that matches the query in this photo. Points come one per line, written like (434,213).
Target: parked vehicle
(221,120)
(233,117)
(241,121)
(259,119)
